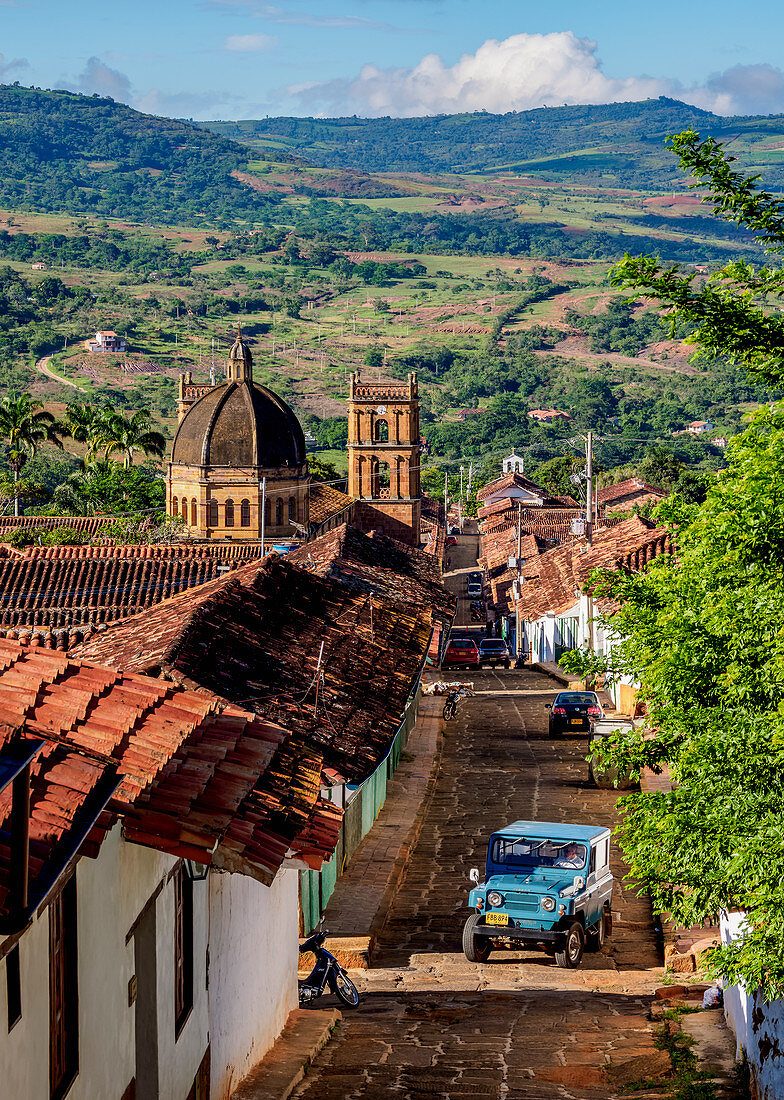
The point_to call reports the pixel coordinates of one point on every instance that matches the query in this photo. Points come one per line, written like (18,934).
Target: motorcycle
(327,970)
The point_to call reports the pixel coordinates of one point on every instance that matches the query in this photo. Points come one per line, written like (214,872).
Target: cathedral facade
(238,465)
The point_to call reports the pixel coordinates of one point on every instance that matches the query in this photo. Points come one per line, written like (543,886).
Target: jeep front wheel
(476,948)
(569,952)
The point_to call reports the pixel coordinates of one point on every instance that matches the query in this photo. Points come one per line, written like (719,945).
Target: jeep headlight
(548,904)
(494,898)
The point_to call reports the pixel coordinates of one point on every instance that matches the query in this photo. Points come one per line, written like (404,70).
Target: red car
(451,541)
(461,653)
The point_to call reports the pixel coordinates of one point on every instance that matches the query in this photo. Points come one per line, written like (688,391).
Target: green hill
(619,144)
(84,154)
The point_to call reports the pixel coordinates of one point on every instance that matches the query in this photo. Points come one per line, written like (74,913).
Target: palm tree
(126,435)
(87,425)
(24,425)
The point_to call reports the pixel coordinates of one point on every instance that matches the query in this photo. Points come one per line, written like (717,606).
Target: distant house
(720,441)
(106,340)
(38,267)
(546,416)
(514,489)
(461,414)
(697,427)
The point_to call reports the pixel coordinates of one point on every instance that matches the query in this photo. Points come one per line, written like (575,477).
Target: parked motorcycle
(327,971)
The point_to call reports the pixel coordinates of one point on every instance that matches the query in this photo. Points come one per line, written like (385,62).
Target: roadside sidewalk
(363,893)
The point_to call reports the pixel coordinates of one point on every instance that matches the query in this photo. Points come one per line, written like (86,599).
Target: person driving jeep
(570,857)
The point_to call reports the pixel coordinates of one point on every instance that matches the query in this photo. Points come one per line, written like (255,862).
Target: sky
(229,59)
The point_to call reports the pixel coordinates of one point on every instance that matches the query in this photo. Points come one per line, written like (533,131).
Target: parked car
(461,653)
(454,530)
(474,590)
(493,651)
(451,540)
(543,884)
(475,577)
(573,711)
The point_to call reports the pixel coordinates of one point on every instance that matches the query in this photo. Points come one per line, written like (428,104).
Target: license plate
(576,721)
(497,918)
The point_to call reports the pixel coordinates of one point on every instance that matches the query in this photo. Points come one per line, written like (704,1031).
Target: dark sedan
(573,711)
(493,651)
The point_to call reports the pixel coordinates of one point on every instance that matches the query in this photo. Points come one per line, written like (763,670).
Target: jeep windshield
(520,854)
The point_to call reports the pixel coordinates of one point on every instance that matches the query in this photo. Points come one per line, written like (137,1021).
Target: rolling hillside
(620,144)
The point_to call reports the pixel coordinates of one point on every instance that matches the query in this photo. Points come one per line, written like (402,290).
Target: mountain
(84,154)
(619,144)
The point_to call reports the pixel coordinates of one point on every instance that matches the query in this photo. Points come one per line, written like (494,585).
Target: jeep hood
(532,883)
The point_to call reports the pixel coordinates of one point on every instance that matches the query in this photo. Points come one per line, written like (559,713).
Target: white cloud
(98,77)
(527,71)
(249,43)
(15,65)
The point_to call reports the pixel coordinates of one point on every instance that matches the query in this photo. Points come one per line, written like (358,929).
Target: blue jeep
(544,883)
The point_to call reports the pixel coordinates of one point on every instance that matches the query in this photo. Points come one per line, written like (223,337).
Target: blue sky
(246,58)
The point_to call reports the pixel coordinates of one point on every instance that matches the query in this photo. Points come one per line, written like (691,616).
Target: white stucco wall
(758,1024)
(253,971)
(111,891)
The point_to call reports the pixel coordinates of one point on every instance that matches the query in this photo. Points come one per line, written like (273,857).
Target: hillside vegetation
(620,144)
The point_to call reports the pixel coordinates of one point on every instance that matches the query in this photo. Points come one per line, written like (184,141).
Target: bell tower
(384,453)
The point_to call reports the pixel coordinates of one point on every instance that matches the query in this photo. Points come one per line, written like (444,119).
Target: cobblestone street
(430,1022)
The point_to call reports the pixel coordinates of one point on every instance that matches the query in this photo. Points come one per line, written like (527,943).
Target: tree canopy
(701,631)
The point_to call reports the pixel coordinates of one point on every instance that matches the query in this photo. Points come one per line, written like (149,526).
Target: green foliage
(85,154)
(703,636)
(108,487)
(113,252)
(556,475)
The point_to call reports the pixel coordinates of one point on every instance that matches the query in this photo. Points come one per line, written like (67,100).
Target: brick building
(384,455)
(238,456)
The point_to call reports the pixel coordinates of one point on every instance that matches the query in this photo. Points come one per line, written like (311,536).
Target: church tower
(384,454)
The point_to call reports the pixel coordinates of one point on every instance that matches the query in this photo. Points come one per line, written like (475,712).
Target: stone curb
(306,1032)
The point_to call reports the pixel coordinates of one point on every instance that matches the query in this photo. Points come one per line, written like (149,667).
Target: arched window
(267,511)
(194,512)
(292,508)
(278,512)
(175,509)
(382,431)
(229,513)
(245,513)
(212,513)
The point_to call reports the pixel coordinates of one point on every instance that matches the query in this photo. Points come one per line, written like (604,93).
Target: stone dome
(239,424)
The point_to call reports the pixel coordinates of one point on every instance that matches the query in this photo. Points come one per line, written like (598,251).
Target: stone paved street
(433,1024)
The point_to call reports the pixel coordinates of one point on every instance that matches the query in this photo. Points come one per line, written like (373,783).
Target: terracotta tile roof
(564,570)
(630,491)
(55,590)
(333,665)
(326,501)
(511,481)
(84,525)
(197,779)
(377,564)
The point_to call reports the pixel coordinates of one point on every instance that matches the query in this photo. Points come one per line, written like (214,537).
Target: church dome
(239,424)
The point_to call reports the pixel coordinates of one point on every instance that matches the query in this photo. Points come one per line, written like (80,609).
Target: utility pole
(263,510)
(589,489)
(446,499)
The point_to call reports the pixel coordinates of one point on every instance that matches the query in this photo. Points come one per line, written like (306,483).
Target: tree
(556,475)
(702,634)
(25,425)
(86,424)
(127,435)
(660,468)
